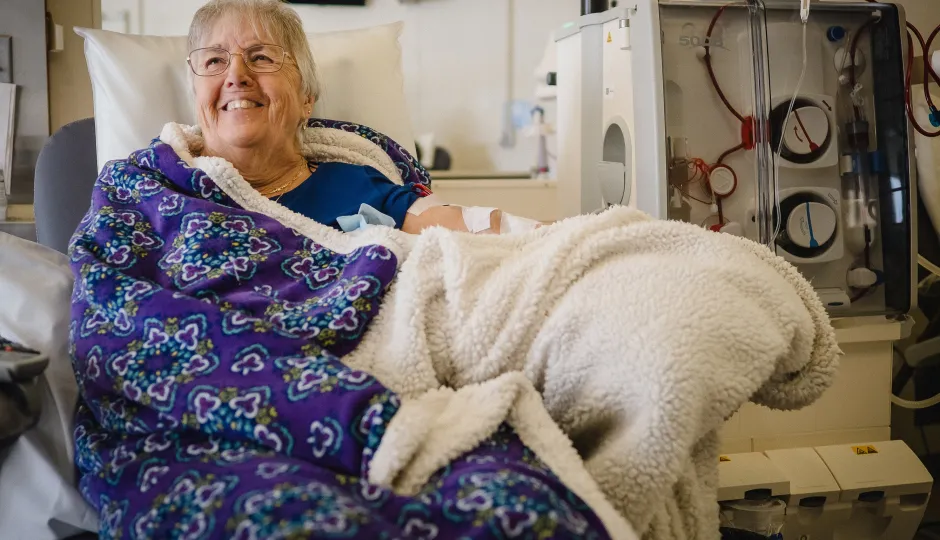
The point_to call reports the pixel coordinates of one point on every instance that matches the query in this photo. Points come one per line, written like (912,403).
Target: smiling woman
(207,334)
(255,83)
(252,95)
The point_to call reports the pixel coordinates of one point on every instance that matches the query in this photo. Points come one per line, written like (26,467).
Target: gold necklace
(282,187)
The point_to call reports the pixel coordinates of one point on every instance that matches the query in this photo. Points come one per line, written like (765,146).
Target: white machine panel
(717,120)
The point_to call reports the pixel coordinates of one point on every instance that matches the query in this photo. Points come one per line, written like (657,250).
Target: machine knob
(811,224)
(835,34)
(861,278)
(722,181)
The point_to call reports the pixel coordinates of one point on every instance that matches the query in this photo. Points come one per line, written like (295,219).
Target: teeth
(243,104)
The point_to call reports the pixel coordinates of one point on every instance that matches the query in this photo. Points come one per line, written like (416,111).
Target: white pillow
(142,82)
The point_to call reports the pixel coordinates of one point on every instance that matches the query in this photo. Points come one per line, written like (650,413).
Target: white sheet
(37,497)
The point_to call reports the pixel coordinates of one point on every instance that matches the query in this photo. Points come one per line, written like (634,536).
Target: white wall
(456,61)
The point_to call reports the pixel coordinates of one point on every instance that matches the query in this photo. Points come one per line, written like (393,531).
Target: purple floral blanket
(206,340)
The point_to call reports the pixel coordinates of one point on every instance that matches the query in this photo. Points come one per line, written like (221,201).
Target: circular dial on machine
(807,135)
(811,225)
(807,129)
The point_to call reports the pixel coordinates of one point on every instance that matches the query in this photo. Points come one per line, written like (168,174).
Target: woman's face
(275,104)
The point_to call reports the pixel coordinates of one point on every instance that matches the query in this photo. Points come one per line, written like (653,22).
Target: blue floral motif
(120,415)
(502,499)
(326,437)
(87,442)
(250,360)
(313,264)
(131,370)
(151,472)
(329,513)
(187,509)
(145,158)
(235,322)
(126,183)
(237,248)
(247,413)
(111,516)
(113,299)
(334,319)
(218,451)
(158,442)
(378,253)
(117,461)
(129,237)
(370,426)
(319,375)
(92,369)
(272,470)
(202,185)
(171,205)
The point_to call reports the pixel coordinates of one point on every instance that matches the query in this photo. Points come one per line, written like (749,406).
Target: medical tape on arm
(510,224)
(424,203)
(475,218)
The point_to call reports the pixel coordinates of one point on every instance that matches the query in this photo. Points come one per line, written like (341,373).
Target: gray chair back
(66,171)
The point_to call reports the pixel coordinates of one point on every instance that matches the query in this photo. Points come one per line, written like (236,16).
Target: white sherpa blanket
(641,337)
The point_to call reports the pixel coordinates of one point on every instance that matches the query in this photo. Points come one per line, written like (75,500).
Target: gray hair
(270,17)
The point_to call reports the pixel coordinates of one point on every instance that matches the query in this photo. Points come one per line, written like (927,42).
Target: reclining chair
(59,205)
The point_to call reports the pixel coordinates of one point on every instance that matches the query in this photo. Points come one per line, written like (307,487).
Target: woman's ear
(308,107)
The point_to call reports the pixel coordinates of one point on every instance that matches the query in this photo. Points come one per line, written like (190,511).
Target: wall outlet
(6,59)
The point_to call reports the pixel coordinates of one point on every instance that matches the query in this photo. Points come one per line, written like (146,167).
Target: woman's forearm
(476,220)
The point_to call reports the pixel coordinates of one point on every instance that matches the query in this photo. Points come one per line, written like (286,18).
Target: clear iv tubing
(931,401)
(783,132)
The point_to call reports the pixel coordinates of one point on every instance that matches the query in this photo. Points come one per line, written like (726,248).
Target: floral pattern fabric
(206,341)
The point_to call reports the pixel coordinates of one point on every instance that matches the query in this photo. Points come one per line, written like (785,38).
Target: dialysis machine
(738,117)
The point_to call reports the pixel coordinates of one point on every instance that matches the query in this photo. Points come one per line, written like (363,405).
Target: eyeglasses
(258,58)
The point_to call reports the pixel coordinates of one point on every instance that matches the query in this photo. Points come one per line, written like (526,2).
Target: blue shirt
(339,189)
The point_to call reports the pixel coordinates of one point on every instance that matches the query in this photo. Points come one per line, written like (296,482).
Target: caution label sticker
(610,38)
(722,459)
(863,450)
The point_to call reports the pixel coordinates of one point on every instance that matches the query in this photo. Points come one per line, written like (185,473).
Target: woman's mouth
(240,104)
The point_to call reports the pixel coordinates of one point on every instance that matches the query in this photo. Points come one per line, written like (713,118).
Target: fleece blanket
(642,336)
(206,339)
(637,337)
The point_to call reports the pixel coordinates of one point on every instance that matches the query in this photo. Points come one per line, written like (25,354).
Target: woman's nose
(237,73)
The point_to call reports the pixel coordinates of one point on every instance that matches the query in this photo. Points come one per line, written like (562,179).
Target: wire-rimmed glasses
(262,58)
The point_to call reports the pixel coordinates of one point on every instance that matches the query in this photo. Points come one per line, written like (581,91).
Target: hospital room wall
(456,56)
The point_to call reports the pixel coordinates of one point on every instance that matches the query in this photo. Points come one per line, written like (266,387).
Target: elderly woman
(255,86)
(247,370)
(206,337)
